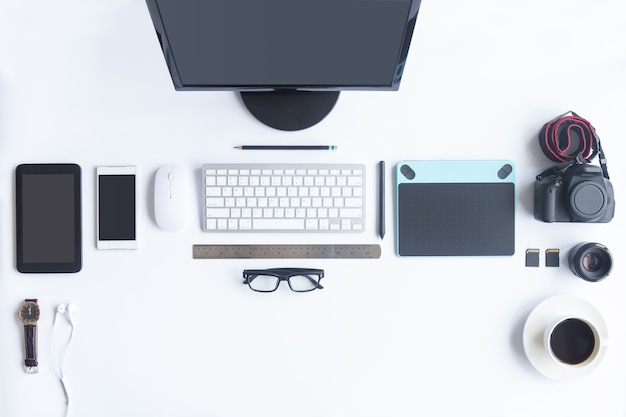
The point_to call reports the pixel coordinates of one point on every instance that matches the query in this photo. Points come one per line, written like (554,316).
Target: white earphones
(64,310)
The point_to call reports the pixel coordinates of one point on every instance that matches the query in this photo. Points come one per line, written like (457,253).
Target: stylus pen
(381,199)
(288,147)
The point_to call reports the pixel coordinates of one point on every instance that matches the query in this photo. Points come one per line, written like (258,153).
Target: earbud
(70,310)
(65,310)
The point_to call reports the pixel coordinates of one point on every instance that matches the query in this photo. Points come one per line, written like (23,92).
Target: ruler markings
(262,251)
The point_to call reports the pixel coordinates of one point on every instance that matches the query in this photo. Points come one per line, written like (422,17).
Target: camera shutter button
(587,200)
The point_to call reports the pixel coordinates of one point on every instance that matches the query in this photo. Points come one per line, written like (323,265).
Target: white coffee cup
(573,342)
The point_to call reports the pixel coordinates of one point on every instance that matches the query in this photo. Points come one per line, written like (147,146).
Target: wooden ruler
(285,251)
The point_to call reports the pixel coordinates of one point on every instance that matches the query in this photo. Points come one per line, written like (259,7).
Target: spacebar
(278,224)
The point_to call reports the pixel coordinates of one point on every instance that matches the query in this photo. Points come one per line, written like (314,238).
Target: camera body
(580,193)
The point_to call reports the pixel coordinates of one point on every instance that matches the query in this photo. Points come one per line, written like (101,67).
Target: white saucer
(543,316)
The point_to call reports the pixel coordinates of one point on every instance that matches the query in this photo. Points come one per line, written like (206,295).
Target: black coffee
(572,341)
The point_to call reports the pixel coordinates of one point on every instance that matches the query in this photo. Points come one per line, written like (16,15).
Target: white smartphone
(116,207)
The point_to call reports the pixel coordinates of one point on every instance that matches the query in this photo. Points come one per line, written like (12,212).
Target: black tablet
(48,217)
(455,208)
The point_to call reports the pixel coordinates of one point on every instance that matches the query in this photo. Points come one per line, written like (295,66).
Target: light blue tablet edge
(455,171)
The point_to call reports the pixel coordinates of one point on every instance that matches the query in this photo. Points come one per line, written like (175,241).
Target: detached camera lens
(591,261)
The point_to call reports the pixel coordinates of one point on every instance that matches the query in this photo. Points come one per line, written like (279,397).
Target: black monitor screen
(238,44)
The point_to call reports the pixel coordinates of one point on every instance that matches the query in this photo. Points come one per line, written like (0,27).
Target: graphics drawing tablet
(455,208)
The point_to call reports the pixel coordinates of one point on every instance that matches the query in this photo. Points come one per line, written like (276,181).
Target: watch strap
(30,348)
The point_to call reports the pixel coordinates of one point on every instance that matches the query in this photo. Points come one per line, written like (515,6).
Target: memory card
(532,257)
(552,257)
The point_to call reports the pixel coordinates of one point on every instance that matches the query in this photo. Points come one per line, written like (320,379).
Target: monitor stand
(290,109)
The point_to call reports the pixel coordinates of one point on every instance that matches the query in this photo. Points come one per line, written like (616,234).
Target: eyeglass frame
(283,274)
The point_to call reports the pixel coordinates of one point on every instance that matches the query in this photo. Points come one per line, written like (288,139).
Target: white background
(160,334)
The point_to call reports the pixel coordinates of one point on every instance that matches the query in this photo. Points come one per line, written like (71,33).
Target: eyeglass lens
(263,283)
(303,282)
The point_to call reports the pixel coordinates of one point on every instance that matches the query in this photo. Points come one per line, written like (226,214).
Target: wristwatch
(28,314)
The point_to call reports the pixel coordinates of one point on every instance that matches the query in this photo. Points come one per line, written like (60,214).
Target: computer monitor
(289,59)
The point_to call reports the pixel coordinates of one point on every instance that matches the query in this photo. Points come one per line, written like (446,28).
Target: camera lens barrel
(591,261)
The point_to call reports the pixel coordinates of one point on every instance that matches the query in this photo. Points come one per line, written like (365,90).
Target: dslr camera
(578,193)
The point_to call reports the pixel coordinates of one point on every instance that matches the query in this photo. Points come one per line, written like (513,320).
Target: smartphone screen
(48,218)
(116,208)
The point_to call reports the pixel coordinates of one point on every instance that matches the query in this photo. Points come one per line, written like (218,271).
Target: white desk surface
(161,334)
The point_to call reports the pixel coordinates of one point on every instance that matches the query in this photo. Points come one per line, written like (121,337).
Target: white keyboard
(284,197)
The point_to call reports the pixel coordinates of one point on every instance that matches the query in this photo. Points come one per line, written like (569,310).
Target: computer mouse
(170,197)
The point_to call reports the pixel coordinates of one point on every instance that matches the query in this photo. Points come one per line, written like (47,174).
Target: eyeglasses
(268,280)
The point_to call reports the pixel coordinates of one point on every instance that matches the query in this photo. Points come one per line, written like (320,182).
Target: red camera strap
(571,139)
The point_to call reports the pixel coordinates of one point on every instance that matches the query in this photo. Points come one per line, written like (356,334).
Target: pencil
(288,147)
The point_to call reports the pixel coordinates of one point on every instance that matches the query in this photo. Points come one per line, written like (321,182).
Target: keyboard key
(278,224)
(217,213)
(215,202)
(350,213)
(213,191)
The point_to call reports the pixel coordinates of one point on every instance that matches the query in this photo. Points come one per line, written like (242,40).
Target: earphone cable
(59,362)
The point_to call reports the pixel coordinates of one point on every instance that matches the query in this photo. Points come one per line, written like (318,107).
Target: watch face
(28,312)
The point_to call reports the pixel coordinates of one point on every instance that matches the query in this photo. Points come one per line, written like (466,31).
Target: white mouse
(170,197)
